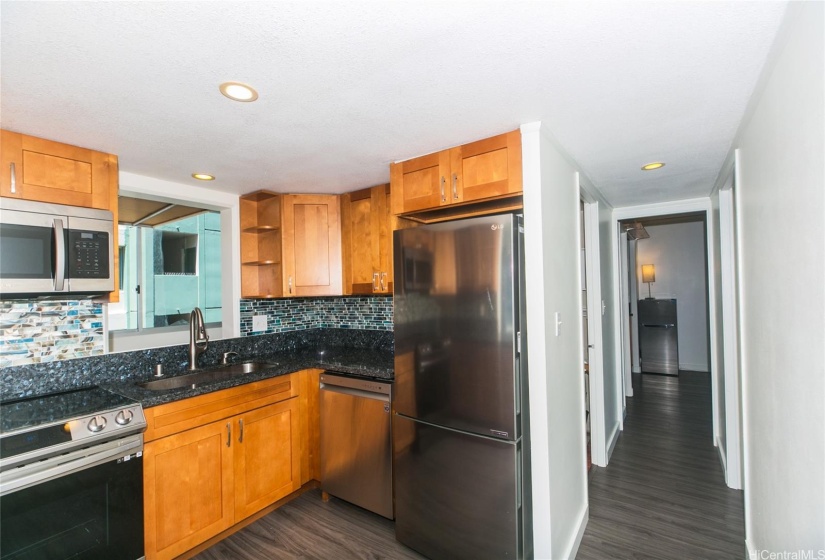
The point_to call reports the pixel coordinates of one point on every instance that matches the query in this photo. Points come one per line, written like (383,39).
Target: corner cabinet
(213,460)
(290,245)
(483,171)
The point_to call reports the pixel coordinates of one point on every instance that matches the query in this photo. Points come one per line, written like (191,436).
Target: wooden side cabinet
(485,170)
(261,263)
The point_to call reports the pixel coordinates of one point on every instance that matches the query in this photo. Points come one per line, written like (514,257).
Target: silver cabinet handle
(443,196)
(383,275)
(374,281)
(60,255)
(455,186)
(229,434)
(240,437)
(289,283)
(13,179)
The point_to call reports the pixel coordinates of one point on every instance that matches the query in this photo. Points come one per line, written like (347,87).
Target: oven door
(33,249)
(93,513)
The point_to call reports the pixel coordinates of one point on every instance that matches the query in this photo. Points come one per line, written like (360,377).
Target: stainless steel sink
(213,375)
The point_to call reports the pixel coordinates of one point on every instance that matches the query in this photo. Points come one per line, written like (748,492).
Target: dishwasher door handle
(355,392)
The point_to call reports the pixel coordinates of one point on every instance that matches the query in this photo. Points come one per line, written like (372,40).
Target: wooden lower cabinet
(267,456)
(203,480)
(188,489)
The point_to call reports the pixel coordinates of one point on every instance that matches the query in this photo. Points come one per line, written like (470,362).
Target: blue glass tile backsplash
(33,332)
(294,314)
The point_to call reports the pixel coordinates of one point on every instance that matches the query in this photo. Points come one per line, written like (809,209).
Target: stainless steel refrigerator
(658,336)
(460,428)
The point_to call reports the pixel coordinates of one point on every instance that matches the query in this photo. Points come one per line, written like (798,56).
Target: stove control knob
(96,424)
(124,417)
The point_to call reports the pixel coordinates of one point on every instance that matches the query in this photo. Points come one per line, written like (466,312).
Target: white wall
(678,251)
(781,214)
(551,218)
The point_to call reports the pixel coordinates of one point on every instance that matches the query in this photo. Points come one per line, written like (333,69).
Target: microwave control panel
(88,254)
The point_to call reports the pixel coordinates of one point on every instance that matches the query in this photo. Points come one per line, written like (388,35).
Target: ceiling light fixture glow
(238,91)
(203,176)
(652,166)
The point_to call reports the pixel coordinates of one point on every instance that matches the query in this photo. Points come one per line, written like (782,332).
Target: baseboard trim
(722,458)
(751,549)
(577,541)
(694,368)
(611,442)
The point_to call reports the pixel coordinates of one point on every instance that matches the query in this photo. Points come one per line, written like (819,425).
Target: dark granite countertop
(361,362)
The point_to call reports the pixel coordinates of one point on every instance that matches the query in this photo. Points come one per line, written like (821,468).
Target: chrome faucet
(198,339)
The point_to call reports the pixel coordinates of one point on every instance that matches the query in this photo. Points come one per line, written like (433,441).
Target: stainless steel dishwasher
(356,441)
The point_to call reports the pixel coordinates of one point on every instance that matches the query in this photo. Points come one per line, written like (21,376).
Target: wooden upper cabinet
(480,171)
(311,241)
(46,171)
(420,183)
(261,255)
(366,237)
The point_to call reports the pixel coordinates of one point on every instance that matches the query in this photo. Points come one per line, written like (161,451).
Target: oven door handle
(62,465)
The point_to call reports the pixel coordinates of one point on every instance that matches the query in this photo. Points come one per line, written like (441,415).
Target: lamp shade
(648,273)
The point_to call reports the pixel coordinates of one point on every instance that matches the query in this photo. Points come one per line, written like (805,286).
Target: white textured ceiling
(347,87)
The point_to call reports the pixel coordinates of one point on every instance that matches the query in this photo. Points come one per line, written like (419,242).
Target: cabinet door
(311,237)
(420,183)
(267,456)
(360,243)
(188,490)
(366,234)
(487,168)
(53,172)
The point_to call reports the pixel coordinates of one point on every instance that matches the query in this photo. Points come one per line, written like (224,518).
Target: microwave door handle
(60,255)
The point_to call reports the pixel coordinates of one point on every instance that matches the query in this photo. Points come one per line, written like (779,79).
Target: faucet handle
(226,355)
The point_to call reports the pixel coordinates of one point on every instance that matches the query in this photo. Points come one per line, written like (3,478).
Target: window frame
(228,205)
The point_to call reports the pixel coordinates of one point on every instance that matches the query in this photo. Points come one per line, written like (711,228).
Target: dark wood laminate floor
(308,528)
(663,494)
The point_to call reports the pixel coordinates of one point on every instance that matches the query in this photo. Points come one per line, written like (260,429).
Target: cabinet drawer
(171,418)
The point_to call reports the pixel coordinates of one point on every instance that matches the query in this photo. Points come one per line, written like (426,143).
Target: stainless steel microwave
(52,250)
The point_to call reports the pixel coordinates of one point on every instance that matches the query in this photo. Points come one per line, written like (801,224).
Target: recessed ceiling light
(203,176)
(652,166)
(238,91)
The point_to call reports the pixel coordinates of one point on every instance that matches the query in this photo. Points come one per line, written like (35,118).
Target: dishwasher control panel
(360,384)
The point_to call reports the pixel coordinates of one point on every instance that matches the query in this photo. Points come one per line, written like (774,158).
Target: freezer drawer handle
(667,326)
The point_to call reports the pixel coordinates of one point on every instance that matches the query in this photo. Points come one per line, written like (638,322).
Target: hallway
(663,494)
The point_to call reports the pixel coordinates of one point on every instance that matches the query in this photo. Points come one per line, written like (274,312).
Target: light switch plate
(258,323)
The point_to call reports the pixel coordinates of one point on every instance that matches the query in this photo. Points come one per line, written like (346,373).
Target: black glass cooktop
(29,412)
